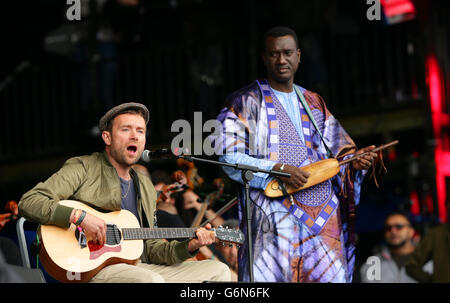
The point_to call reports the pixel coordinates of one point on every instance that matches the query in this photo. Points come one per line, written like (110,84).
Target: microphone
(147,155)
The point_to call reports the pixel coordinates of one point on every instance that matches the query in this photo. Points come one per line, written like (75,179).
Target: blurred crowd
(179,204)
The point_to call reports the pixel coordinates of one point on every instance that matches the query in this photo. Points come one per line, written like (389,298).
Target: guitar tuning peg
(230,245)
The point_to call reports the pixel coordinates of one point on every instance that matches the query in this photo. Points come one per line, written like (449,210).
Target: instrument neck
(157,233)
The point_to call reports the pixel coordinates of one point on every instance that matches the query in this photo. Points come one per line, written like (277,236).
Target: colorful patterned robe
(313,240)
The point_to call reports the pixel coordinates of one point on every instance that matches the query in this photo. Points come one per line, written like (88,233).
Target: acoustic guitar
(69,256)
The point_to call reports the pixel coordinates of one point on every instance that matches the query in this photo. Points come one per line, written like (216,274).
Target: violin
(193,178)
(209,200)
(13,208)
(179,184)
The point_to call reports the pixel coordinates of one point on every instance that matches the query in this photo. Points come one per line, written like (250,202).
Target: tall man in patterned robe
(275,124)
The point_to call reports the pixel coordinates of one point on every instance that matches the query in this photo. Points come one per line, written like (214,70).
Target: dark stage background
(57,77)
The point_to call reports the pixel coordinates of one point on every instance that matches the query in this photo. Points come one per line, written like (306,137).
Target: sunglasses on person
(396,226)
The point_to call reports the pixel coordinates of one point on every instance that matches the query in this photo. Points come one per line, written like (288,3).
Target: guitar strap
(143,219)
(308,111)
(311,118)
(137,188)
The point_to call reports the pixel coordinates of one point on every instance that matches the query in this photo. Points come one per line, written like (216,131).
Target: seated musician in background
(167,214)
(11,211)
(191,201)
(166,189)
(106,181)
(9,249)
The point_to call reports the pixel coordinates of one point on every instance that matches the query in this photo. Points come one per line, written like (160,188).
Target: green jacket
(435,246)
(94,181)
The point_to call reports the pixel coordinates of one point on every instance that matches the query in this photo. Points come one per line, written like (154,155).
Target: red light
(415,207)
(442,157)
(397,11)
(392,155)
(397,7)
(429,204)
(434,82)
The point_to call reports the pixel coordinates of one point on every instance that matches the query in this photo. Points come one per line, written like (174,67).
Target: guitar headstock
(229,235)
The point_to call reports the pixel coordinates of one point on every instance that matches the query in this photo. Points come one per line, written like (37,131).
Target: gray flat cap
(115,111)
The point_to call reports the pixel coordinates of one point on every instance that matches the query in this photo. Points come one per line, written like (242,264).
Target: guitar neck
(157,233)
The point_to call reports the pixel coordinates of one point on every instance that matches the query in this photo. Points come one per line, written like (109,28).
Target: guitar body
(65,260)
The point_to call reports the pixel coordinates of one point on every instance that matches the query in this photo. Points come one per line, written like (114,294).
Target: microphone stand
(247,172)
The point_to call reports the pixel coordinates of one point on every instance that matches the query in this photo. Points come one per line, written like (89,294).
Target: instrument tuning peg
(230,245)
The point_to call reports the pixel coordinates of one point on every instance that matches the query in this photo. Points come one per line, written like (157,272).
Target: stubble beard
(119,157)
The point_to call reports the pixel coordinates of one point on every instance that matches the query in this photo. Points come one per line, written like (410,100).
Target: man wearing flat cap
(106,181)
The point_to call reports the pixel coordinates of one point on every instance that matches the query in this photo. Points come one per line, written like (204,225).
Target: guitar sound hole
(113,235)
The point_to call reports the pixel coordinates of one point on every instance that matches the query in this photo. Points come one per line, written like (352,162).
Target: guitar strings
(139,233)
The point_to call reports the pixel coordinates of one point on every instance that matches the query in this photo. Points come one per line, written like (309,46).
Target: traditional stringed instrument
(69,256)
(319,171)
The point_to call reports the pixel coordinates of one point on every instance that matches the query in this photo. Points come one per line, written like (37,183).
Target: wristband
(76,216)
(81,218)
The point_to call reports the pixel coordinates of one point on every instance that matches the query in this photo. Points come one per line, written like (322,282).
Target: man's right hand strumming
(298,177)
(93,227)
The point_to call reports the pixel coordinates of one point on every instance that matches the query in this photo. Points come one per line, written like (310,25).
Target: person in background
(8,248)
(398,234)
(229,253)
(191,201)
(167,214)
(435,246)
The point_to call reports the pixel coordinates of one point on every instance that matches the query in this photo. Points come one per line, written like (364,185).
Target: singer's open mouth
(132,148)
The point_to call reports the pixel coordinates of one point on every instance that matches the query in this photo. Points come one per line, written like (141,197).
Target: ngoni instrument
(320,171)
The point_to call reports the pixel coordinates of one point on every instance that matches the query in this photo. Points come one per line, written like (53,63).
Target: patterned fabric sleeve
(240,140)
